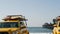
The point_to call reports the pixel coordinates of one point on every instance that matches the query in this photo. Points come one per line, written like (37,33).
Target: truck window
(21,23)
(8,25)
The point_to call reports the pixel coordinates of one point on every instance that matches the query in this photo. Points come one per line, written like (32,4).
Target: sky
(36,11)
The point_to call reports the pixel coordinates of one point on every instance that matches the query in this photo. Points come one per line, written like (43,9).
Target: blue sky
(36,11)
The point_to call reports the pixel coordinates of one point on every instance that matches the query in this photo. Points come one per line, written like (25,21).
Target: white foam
(40,33)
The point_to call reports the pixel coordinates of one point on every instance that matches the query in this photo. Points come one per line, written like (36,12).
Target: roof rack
(58,18)
(15,17)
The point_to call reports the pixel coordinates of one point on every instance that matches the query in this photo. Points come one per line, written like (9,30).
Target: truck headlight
(15,32)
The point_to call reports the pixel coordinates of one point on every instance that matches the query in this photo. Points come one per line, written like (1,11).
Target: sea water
(39,30)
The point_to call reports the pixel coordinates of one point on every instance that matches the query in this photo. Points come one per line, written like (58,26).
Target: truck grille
(3,32)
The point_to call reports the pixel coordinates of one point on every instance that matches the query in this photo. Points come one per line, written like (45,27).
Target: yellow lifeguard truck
(14,24)
(56,29)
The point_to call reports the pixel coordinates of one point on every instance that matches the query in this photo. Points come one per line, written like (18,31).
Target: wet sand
(40,33)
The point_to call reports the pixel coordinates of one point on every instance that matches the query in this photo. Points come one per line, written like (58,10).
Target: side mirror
(55,25)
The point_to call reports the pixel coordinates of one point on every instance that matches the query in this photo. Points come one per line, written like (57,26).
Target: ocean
(39,30)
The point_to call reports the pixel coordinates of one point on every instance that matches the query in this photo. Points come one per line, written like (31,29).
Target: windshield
(8,25)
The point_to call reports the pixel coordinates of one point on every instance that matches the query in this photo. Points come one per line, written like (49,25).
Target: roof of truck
(15,17)
(58,18)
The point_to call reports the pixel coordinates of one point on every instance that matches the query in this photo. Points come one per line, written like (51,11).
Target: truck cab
(56,29)
(14,24)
